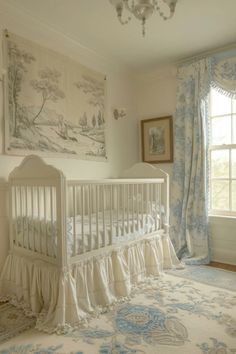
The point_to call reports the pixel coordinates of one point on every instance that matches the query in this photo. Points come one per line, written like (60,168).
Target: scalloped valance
(223,74)
(217,71)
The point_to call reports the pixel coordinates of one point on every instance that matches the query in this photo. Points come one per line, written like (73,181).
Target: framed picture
(157,140)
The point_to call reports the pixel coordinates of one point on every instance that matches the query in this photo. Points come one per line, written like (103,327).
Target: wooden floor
(223,266)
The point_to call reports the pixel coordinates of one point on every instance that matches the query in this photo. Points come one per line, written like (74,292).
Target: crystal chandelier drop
(142,9)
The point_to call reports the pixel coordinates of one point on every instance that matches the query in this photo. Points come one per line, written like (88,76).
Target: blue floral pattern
(118,348)
(216,347)
(166,315)
(195,302)
(151,324)
(32,348)
(188,214)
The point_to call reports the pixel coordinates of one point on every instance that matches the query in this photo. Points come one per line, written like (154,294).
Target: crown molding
(15,17)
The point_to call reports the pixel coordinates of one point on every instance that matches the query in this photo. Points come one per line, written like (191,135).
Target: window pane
(220,195)
(234,106)
(221,130)
(233,159)
(234,129)
(234,195)
(220,104)
(220,163)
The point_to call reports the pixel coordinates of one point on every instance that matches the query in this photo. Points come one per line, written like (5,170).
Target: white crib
(78,246)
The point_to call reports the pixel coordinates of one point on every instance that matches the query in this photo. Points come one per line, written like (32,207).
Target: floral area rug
(170,315)
(13,322)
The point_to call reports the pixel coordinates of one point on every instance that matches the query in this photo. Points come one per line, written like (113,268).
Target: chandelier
(142,9)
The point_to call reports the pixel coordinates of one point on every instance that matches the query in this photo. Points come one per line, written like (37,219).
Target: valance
(217,71)
(223,73)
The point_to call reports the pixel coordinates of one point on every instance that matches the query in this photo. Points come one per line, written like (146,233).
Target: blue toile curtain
(188,213)
(189,202)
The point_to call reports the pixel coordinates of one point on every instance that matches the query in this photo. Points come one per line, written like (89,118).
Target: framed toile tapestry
(53,105)
(157,140)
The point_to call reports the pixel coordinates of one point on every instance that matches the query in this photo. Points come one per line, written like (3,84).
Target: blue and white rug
(171,315)
(208,275)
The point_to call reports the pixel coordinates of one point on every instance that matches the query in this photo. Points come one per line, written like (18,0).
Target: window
(222,154)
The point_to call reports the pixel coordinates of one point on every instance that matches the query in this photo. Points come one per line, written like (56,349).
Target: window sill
(219,219)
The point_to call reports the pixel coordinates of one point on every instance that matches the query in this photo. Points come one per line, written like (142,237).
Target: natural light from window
(222,154)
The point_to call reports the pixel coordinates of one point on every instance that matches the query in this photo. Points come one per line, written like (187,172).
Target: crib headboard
(146,170)
(37,191)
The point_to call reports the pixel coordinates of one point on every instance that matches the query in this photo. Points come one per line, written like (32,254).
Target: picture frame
(157,139)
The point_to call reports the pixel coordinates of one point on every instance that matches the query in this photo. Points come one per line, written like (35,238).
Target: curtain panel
(189,197)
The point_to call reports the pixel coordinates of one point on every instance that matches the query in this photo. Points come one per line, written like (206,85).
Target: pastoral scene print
(54,105)
(157,140)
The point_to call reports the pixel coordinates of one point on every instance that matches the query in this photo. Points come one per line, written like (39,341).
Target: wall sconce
(119,113)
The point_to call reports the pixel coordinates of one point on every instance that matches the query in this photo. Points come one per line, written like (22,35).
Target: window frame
(229,147)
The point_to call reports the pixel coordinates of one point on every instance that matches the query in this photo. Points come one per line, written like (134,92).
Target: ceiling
(197,26)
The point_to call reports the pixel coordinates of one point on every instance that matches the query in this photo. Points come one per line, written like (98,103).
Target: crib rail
(34,218)
(53,219)
(106,212)
(36,211)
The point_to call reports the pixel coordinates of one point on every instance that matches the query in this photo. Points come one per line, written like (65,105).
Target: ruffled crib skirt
(64,299)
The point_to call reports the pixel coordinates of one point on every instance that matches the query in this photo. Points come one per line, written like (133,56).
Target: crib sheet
(94,237)
(40,235)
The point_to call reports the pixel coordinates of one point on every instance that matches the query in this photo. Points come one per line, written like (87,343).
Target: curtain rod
(206,54)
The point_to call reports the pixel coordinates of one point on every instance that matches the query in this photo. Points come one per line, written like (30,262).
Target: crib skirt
(65,299)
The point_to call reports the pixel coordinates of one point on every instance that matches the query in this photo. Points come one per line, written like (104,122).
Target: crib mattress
(40,235)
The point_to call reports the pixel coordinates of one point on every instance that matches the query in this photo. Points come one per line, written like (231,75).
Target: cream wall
(156,93)
(156,97)
(122,134)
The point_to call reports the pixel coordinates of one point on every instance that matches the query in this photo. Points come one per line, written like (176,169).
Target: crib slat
(27,217)
(111,222)
(155,205)
(39,220)
(147,202)
(97,221)
(82,217)
(73,218)
(103,216)
(32,220)
(117,209)
(132,195)
(160,211)
(45,221)
(142,206)
(127,211)
(21,217)
(123,208)
(90,216)
(137,207)
(16,215)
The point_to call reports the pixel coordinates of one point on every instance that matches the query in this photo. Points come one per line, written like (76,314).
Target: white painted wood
(33,173)
(90,216)
(82,218)
(123,208)
(115,181)
(132,198)
(74,219)
(97,210)
(33,196)
(103,216)
(111,216)
(128,212)
(144,170)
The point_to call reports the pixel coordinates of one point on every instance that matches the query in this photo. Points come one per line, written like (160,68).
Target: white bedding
(40,235)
